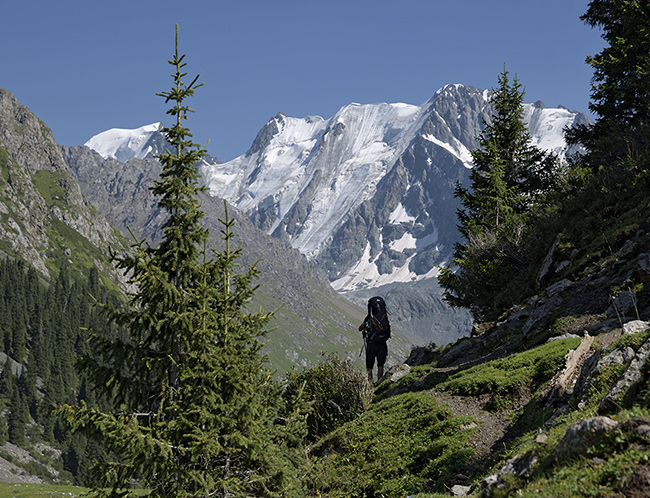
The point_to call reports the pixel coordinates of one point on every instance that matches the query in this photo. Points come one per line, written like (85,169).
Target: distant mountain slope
(311,318)
(44,218)
(368,194)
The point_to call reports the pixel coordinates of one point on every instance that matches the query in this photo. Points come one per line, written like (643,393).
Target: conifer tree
(195,405)
(509,176)
(620,89)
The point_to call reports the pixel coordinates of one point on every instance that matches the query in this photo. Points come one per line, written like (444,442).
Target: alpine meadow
(174,326)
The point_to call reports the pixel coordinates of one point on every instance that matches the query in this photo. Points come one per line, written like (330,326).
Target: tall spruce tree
(620,90)
(509,176)
(195,403)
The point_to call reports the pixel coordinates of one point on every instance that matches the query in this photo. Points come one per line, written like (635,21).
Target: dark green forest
(44,332)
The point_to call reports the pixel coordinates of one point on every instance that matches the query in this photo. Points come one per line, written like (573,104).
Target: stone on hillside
(632,375)
(635,326)
(563,265)
(459,490)
(625,301)
(628,248)
(643,266)
(519,466)
(546,265)
(583,435)
(396,373)
(541,316)
(559,287)
(419,354)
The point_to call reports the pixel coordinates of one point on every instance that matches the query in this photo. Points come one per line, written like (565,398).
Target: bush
(337,391)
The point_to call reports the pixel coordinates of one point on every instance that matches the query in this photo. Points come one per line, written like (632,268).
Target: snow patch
(124,144)
(456,148)
(400,215)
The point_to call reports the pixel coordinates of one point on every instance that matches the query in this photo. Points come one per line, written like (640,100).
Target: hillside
(311,317)
(551,400)
(56,210)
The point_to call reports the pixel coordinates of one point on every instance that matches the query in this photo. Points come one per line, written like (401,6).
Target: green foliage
(52,185)
(510,178)
(400,446)
(337,391)
(620,90)
(504,378)
(195,407)
(4,164)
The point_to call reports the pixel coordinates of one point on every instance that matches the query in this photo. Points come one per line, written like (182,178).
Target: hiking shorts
(378,350)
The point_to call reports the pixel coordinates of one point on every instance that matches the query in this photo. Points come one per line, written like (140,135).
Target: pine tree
(196,403)
(509,177)
(620,89)
(18,417)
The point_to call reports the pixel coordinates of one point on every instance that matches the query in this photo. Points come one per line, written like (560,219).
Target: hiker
(376,331)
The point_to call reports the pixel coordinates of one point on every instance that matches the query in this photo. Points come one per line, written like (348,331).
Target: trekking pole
(363,346)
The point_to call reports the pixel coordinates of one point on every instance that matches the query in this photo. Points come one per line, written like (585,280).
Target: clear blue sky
(87,66)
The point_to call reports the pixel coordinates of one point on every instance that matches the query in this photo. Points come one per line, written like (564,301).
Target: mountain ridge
(368,194)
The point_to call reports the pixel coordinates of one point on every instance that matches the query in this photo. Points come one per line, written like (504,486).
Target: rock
(583,435)
(419,354)
(630,377)
(562,266)
(628,248)
(459,490)
(623,303)
(489,482)
(519,466)
(540,317)
(643,266)
(635,326)
(398,372)
(559,287)
(643,431)
(546,264)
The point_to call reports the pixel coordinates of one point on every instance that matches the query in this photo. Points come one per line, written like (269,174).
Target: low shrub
(336,390)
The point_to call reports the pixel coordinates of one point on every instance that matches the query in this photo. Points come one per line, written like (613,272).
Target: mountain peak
(124,144)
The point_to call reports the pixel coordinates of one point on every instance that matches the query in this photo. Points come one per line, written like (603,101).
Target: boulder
(635,326)
(583,435)
(632,375)
(623,304)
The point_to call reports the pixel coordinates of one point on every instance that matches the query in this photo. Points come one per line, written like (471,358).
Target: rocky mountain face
(44,217)
(311,318)
(68,207)
(369,193)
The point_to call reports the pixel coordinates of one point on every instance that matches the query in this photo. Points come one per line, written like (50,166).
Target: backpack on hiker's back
(378,324)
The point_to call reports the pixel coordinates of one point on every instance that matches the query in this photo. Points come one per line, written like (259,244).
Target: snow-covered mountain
(123,144)
(368,193)
(312,180)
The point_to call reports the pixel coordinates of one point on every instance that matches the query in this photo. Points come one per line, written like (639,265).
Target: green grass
(398,447)
(52,185)
(9,490)
(504,377)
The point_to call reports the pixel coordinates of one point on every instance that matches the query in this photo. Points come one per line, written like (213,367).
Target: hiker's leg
(371,354)
(382,353)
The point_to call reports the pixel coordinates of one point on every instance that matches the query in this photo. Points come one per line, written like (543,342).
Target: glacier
(124,144)
(366,191)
